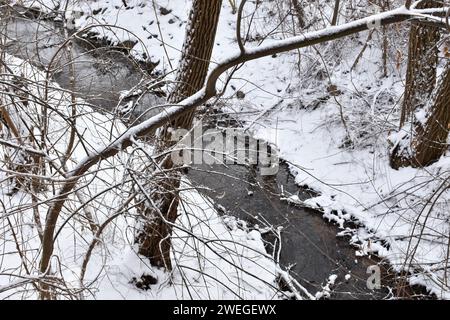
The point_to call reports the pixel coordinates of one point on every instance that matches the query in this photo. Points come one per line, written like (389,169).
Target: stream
(309,244)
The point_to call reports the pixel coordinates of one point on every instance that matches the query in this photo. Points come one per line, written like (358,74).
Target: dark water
(309,244)
(100,75)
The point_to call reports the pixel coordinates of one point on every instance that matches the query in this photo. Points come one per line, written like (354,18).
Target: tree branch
(207,92)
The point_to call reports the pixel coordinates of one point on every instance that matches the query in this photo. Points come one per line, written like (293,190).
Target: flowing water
(309,245)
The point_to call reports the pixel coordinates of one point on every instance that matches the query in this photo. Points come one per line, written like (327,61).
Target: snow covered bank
(332,126)
(405,213)
(213,257)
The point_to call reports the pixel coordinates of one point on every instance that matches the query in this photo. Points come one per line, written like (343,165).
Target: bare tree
(154,240)
(419,87)
(184,108)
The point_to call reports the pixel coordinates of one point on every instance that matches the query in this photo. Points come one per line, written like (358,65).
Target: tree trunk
(298,11)
(430,139)
(422,64)
(154,239)
(420,80)
(337,6)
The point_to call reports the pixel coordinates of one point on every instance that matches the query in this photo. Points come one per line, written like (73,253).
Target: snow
(354,181)
(96,129)
(327,288)
(359,185)
(216,261)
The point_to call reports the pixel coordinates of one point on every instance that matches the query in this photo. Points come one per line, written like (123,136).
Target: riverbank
(332,125)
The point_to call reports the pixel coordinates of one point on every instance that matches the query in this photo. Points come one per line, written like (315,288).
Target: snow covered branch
(208,91)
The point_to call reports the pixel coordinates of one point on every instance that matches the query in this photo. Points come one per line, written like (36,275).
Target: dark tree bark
(154,241)
(298,12)
(422,64)
(420,81)
(334,19)
(430,139)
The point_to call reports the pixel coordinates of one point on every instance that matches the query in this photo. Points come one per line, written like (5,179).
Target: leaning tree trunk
(430,138)
(420,79)
(422,64)
(154,239)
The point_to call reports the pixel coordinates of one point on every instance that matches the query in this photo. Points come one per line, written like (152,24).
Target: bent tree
(185,107)
(420,83)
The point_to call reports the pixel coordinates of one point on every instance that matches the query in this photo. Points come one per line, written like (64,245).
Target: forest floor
(331,122)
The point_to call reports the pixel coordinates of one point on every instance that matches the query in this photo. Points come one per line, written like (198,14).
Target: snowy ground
(214,257)
(335,139)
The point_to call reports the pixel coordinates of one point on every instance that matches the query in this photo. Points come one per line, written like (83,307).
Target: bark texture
(422,64)
(155,241)
(419,87)
(430,139)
